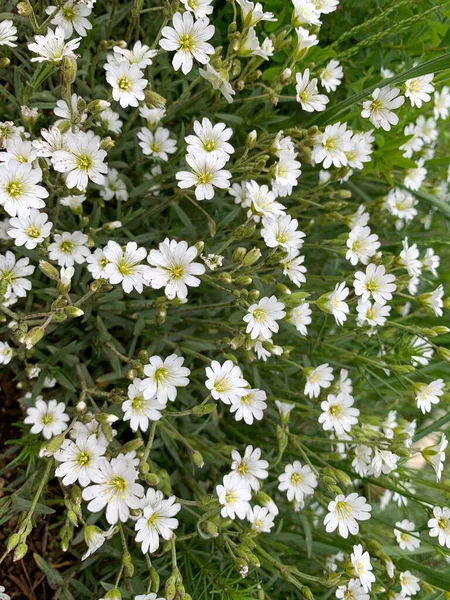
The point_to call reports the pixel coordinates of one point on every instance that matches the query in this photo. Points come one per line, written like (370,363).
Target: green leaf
(435,65)
(53,577)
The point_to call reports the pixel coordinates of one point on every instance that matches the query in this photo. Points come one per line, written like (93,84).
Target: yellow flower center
(124,267)
(33,232)
(47,419)
(260,315)
(242,469)
(14,189)
(372,285)
(83,459)
(66,246)
(296,478)
(176,272)
(160,374)
(186,42)
(209,145)
(222,385)
(230,496)
(335,411)
(136,403)
(124,84)
(120,484)
(69,13)
(84,162)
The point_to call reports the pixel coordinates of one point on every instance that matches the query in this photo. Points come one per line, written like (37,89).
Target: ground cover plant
(224,336)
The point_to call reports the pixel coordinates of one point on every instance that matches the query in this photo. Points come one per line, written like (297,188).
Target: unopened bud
(132,445)
(444,353)
(24,8)
(98,106)
(243,280)
(13,540)
(204,409)
(225,278)
(107,143)
(306,593)
(34,336)
(49,270)
(73,311)
(171,588)
(238,255)
(286,76)
(155,580)
(197,459)
(4,62)
(20,552)
(69,69)
(251,257)
(154,100)
(251,139)
(52,446)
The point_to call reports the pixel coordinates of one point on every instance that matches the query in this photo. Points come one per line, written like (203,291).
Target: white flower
(52,140)
(140,55)
(427,129)
(188,39)
(250,46)
(297,481)
(317,378)
(362,566)
(338,413)
(30,230)
(210,139)
(421,351)
(360,150)
(262,201)
(330,147)
(219,81)
(362,459)
(52,47)
(415,142)
(434,300)
(345,512)
(225,382)
(109,120)
(249,407)
(295,270)
(285,173)
(72,15)
(69,248)
(95,538)
(440,525)
(83,160)
(415,176)
(373,314)
(325,6)
(200,8)
(140,410)
(212,261)
(158,144)
(253,13)
(114,187)
(435,455)
(261,519)
(163,377)
(5,353)
(305,40)
(410,584)
(68,110)
(331,76)
(353,590)
(407,541)
(401,204)
(127,82)
(97,263)
(3,595)
(442,103)
(48,418)
(79,460)
(418,89)
(157,520)
(8,35)
(173,268)
(234,495)
(262,317)
(361,244)
(379,109)
(250,468)
(282,232)
(115,488)
(125,267)
(383,461)
(284,408)
(18,150)
(431,261)
(336,305)
(409,258)
(19,191)
(374,283)
(13,273)
(305,13)
(206,174)
(308,93)
(428,394)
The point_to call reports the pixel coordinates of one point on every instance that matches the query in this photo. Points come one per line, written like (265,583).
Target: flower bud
(204,409)
(306,593)
(251,139)
(69,69)
(52,446)
(20,552)
(107,143)
(73,311)
(243,280)
(251,257)
(238,255)
(171,588)
(13,540)
(49,270)
(113,595)
(4,62)
(34,336)
(128,564)
(286,76)
(444,353)
(154,100)
(98,106)
(155,580)
(197,458)
(132,445)
(225,278)
(24,8)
